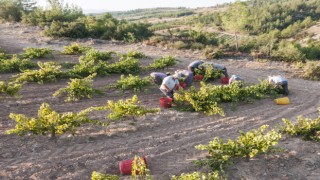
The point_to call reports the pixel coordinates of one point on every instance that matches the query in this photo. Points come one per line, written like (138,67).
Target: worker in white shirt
(279,81)
(169,83)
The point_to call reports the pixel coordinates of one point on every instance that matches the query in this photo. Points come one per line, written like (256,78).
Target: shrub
(211,53)
(247,145)
(126,66)
(312,51)
(78,89)
(49,121)
(96,56)
(48,72)
(10,10)
(67,29)
(136,54)
(197,176)
(287,52)
(178,45)
(127,108)
(100,176)
(312,71)
(209,73)
(15,64)
(37,52)
(10,89)
(163,63)
(75,48)
(89,66)
(139,167)
(209,97)
(197,46)
(132,82)
(308,128)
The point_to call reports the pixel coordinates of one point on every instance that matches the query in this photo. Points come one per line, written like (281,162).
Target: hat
(177,75)
(168,73)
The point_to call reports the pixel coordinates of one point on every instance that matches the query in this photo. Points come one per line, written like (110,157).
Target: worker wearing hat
(169,83)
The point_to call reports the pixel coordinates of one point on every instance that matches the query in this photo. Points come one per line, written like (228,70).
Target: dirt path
(167,138)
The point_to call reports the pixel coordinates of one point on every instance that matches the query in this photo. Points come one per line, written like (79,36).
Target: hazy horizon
(125,5)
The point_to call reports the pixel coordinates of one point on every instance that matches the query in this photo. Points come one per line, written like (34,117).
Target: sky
(124,5)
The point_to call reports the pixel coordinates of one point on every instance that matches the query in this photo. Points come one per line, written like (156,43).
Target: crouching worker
(194,65)
(168,85)
(279,81)
(236,79)
(157,77)
(187,75)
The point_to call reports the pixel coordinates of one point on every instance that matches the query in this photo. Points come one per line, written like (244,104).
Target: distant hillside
(140,14)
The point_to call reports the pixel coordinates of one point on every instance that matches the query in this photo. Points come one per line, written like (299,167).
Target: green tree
(10,10)
(236,18)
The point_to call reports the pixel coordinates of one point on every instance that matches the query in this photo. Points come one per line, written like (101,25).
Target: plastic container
(183,85)
(198,77)
(282,101)
(125,166)
(165,102)
(224,80)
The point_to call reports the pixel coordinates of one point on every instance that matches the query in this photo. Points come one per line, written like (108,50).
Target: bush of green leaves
(96,55)
(247,145)
(75,48)
(78,89)
(100,176)
(89,66)
(163,63)
(308,129)
(10,88)
(15,64)
(127,108)
(209,97)
(132,82)
(48,72)
(312,71)
(133,54)
(197,176)
(51,122)
(37,52)
(127,66)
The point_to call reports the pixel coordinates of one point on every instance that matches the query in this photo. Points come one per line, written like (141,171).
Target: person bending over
(168,85)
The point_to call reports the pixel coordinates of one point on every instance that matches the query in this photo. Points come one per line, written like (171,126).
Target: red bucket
(225,80)
(165,102)
(125,166)
(176,87)
(198,77)
(183,85)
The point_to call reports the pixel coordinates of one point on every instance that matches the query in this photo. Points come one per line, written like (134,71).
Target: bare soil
(167,139)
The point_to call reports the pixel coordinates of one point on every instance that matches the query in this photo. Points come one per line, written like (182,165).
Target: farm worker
(168,84)
(279,81)
(158,77)
(187,75)
(235,78)
(215,66)
(194,65)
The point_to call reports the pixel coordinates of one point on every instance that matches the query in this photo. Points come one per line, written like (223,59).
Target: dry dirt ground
(167,139)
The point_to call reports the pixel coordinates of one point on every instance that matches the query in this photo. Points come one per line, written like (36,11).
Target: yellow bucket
(282,101)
